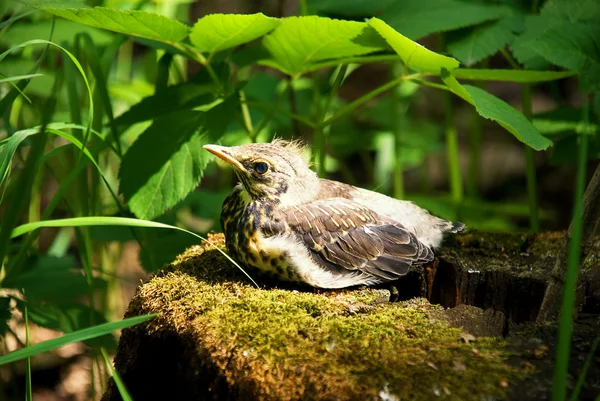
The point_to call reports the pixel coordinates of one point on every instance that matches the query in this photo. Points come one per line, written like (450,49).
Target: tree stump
(218,337)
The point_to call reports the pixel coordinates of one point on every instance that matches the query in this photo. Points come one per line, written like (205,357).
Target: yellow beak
(222,152)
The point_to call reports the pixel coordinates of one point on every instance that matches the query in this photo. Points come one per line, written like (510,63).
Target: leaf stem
(29,394)
(395,110)
(262,124)
(368,96)
(513,63)
(197,56)
(532,196)
(456,186)
(245,112)
(269,107)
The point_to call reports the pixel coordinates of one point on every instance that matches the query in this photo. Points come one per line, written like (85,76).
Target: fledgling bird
(285,221)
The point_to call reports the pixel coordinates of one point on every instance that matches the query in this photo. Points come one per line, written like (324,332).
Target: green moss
(286,344)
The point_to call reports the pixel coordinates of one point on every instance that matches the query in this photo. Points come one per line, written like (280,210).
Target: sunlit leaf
(299,41)
(64,31)
(217,32)
(130,22)
(412,54)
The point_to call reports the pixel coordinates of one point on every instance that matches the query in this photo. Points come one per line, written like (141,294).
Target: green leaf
(580,10)
(418,18)
(216,32)
(130,22)
(64,31)
(80,335)
(492,108)
(412,54)
(167,160)
(68,317)
(521,76)
(578,50)
(484,41)
(8,150)
(299,41)
(184,96)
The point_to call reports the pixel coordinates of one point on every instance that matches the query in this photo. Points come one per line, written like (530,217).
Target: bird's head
(276,171)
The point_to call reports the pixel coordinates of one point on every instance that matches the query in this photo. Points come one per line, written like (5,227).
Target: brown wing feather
(341,233)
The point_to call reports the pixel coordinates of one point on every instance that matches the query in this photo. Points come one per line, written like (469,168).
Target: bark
(551,305)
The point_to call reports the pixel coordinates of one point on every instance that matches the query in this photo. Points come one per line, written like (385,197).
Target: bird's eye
(261,167)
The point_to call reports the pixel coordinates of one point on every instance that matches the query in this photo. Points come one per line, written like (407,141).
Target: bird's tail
(456,227)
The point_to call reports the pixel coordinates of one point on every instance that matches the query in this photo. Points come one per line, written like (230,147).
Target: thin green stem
(318,135)
(507,56)
(287,113)
(29,394)
(303,7)
(293,106)
(245,112)
(456,186)
(565,325)
(475,137)
(395,110)
(455,177)
(368,96)
(263,123)
(534,214)
(584,369)
(354,60)
(197,56)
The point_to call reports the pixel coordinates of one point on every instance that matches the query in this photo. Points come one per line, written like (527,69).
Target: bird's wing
(343,234)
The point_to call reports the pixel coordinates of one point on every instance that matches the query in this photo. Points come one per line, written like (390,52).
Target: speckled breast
(246,224)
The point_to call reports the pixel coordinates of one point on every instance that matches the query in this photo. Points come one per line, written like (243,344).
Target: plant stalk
(565,325)
(532,195)
(396,112)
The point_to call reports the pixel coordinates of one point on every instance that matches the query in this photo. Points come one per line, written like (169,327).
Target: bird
(286,222)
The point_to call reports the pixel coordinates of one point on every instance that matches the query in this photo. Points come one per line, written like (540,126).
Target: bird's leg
(394,293)
(430,271)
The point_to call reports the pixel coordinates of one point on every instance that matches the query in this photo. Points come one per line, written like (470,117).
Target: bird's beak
(222,152)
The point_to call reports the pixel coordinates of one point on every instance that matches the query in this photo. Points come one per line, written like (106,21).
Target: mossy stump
(218,337)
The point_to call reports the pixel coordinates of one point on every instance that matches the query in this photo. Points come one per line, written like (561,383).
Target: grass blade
(584,370)
(120,385)
(565,325)
(114,221)
(80,335)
